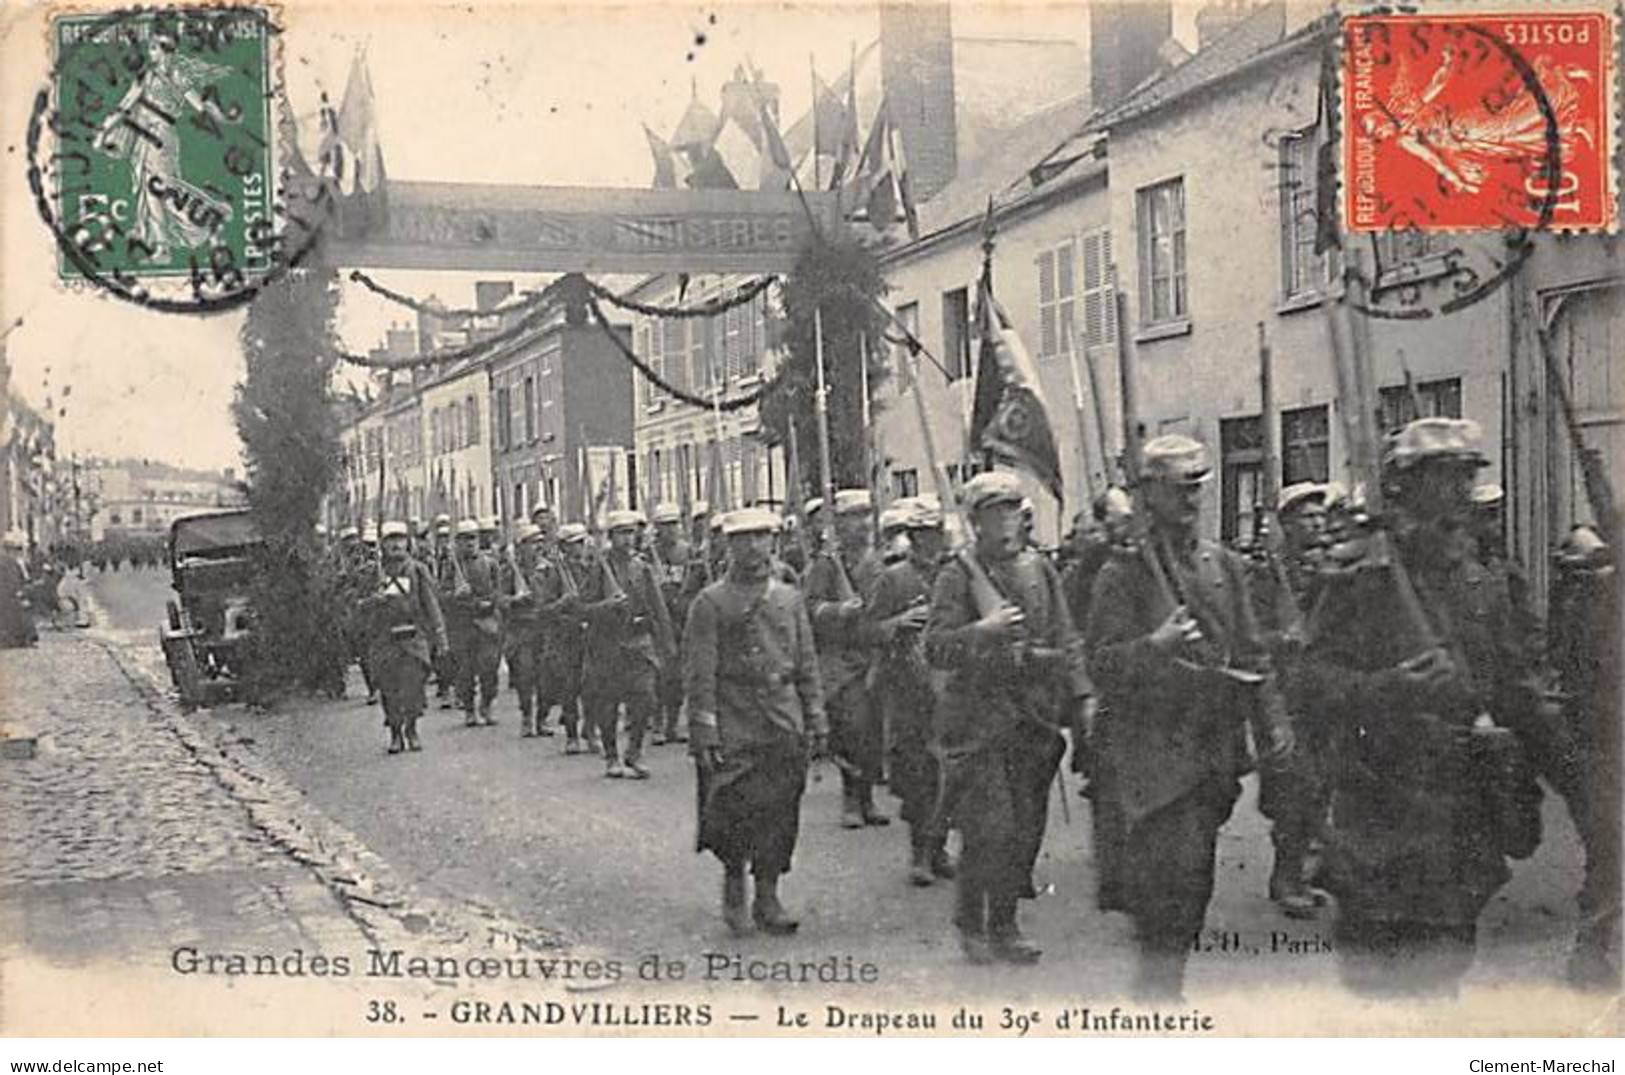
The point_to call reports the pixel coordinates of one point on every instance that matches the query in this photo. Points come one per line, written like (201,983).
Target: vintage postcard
(855,519)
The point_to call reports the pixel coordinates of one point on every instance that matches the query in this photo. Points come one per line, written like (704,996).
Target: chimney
(488,294)
(1125,39)
(917,78)
(1218,18)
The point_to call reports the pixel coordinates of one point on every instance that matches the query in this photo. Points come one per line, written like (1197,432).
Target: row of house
(1181,188)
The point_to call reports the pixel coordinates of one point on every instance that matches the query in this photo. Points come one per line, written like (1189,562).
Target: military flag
(1010,417)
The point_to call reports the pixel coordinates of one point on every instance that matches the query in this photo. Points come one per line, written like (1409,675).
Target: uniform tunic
(1177,745)
(1420,825)
(563,636)
(845,649)
(999,716)
(625,646)
(522,631)
(474,625)
(404,627)
(750,669)
(901,685)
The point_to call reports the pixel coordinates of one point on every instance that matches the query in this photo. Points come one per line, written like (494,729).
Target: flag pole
(812,69)
(826,475)
(1077,410)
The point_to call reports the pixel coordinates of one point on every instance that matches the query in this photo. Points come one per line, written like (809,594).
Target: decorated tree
(843,280)
(291,448)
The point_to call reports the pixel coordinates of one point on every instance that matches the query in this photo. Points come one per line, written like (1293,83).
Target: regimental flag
(776,167)
(829,120)
(737,152)
(708,172)
(698,127)
(1010,417)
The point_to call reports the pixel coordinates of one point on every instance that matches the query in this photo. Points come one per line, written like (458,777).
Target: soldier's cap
(622,519)
(468,528)
(992,487)
(527,532)
(13,539)
(921,512)
(894,516)
(1488,495)
(666,513)
(394,528)
(369,536)
(541,509)
(1426,440)
(755,520)
(349,533)
(1176,458)
(853,501)
(1583,547)
(570,533)
(812,506)
(1298,494)
(321,529)
(489,525)
(715,521)
(442,520)
(1114,503)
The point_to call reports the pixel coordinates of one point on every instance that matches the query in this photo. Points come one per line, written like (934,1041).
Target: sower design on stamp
(1478,121)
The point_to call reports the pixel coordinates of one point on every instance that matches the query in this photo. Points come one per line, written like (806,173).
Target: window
(656,357)
(674,351)
(756,316)
(456,432)
(473,420)
(733,340)
(718,346)
(518,503)
(1056,272)
(1305,448)
(1303,272)
(1241,475)
(1437,399)
(530,409)
(699,342)
(905,482)
(1099,299)
(504,431)
(1162,253)
(956,333)
(641,349)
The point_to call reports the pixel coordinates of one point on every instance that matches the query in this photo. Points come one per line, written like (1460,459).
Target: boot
(851,811)
(920,863)
(485,713)
(866,806)
(527,724)
(396,743)
(1160,974)
(469,719)
(613,768)
(733,902)
(767,911)
(572,745)
(412,736)
(1287,887)
(1005,938)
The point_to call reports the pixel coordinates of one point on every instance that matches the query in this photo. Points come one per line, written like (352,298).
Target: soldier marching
(1388,702)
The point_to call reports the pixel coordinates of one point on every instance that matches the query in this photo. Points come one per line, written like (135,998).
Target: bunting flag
(665,176)
(708,172)
(829,120)
(1010,418)
(737,153)
(698,127)
(776,166)
(885,176)
(357,151)
(848,146)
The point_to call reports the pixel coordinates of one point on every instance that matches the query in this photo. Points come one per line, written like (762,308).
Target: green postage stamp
(165,145)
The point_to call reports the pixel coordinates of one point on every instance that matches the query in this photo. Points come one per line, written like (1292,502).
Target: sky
(531,93)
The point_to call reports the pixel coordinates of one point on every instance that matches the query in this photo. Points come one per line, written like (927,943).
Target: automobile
(212,560)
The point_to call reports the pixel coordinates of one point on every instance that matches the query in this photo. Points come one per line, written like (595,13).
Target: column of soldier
(1399,770)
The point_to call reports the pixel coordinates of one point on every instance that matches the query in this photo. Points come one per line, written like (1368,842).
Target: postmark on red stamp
(1492,120)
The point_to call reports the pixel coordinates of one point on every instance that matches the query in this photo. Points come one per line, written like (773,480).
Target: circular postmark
(153,158)
(1453,159)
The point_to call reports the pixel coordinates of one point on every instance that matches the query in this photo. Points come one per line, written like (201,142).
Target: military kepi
(1174,457)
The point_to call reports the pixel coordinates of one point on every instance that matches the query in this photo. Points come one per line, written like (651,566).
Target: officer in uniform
(404,631)
(521,586)
(628,639)
(834,586)
(1295,793)
(756,717)
(490,527)
(1000,630)
(901,685)
(1176,654)
(669,556)
(1428,689)
(473,623)
(564,626)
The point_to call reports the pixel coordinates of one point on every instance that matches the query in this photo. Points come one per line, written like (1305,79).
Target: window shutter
(1046,303)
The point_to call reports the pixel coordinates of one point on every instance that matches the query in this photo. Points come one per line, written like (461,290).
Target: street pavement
(118,819)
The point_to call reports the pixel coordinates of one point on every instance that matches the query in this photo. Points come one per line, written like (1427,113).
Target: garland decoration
(710,308)
(519,302)
(734,403)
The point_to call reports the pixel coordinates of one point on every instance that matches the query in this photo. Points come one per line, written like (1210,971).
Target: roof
(1250,41)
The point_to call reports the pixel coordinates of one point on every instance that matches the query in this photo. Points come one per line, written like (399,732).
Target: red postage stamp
(1479,120)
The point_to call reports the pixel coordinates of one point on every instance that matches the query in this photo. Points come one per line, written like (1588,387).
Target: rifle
(1268,518)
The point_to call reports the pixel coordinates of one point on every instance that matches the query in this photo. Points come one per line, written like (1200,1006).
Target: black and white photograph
(889,519)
